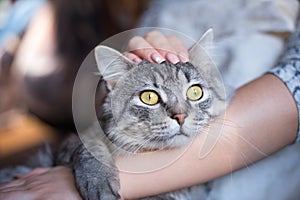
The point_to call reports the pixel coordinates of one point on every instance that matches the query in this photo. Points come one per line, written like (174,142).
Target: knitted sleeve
(288,68)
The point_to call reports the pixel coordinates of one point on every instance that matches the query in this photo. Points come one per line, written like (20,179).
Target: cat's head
(154,106)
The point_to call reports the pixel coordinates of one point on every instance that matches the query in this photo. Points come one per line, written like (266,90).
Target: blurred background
(42,44)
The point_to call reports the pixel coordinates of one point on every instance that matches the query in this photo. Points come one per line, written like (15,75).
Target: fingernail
(157,58)
(183,57)
(137,60)
(172,58)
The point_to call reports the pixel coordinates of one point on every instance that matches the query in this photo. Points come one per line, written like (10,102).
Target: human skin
(42,183)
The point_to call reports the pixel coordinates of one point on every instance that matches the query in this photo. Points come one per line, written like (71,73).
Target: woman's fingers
(179,48)
(42,183)
(140,47)
(21,181)
(156,47)
(12,184)
(133,57)
(33,172)
(161,43)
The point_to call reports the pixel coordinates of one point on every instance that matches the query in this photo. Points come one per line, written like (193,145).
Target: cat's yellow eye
(194,93)
(149,97)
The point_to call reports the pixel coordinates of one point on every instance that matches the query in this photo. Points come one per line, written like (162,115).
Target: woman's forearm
(261,120)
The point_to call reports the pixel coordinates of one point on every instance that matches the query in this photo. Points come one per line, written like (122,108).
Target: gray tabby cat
(148,107)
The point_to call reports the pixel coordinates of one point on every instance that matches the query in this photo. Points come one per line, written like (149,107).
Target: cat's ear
(111,64)
(201,51)
(200,57)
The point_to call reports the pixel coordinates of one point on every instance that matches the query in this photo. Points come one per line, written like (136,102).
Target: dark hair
(80,26)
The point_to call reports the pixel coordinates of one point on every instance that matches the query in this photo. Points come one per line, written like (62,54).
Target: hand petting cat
(157,47)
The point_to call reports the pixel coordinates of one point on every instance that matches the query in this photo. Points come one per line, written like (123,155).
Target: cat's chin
(176,140)
(185,136)
(179,140)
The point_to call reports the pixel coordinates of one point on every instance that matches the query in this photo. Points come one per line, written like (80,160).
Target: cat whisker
(224,121)
(252,145)
(223,140)
(246,162)
(228,123)
(229,159)
(97,73)
(138,148)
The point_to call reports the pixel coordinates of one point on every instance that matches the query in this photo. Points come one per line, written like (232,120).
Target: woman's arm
(261,120)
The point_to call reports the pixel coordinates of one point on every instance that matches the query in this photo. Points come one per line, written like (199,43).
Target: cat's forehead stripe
(160,73)
(166,74)
(188,70)
(177,70)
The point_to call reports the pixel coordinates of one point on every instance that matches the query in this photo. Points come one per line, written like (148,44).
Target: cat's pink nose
(179,117)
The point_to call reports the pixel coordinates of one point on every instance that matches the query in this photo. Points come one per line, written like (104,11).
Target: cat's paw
(96,179)
(98,186)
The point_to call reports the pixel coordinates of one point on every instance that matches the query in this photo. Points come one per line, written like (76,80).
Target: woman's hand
(42,183)
(157,47)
